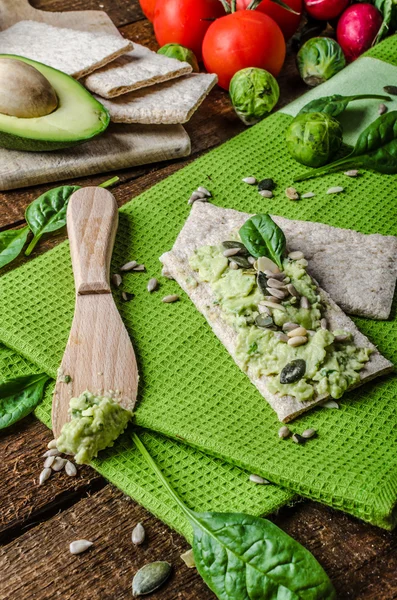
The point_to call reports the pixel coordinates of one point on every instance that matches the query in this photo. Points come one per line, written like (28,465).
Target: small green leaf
(255,3)
(19,397)
(336,104)
(263,237)
(11,244)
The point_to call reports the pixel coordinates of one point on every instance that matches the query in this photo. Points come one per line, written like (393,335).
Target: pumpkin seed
(171,298)
(352,173)
(58,463)
(188,558)
(298,439)
(337,189)
(324,323)
(242,262)
(52,444)
(266,193)
(79,546)
(128,266)
(264,321)
(231,252)
(284,432)
(293,371)
(292,194)
(202,190)
(330,404)
(298,331)
(152,285)
(309,433)
(296,255)
(150,577)
(266,184)
(116,279)
(296,341)
(304,302)
(48,461)
(273,305)
(292,290)
(258,479)
(391,89)
(275,283)
(282,337)
(308,195)
(233,244)
(382,109)
(70,469)
(44,475)
(126,296)
(138,535)
(276,293)
(290,326)
(262,282)
(250,180)
(233,265)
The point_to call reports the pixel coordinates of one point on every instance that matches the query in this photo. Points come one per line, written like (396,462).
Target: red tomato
(324,10)
(147,7)
(185,22)
(287,21)
(242,39)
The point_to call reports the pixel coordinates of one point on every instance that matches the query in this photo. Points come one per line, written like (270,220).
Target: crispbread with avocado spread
(257,329)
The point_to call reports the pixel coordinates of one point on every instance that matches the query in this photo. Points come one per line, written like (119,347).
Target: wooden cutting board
(121,147)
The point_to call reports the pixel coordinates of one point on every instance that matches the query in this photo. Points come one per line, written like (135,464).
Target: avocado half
(78,117)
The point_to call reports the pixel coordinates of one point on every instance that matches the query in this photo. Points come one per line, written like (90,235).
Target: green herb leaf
(11,244)
(336,104)
(48,212)
(19,397)
(388,8)
(255,3)
(376,148)
(262,237)
(242,557)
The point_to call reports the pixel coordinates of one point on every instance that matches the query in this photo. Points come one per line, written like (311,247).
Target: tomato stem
(233,5)
(225,5)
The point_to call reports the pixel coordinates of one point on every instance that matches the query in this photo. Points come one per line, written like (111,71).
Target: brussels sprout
(319,59)
(180,53)
(314,138)
(254,92)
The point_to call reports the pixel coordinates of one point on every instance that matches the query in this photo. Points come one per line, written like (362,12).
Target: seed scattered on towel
(126,296)
(382,109)
(266,193)
(139,268)
(44,475)
(298,439)
(284,432)
(116,279)
(129,265)
(152,285)
(335,190)
(309,433)
(258,479)
(250,180)
(203,190)
(171,298)
(308,195)
(292,193)
(79,546)
(330,404)
(352,173)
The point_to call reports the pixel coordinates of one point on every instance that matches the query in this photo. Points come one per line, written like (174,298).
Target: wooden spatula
(99,356)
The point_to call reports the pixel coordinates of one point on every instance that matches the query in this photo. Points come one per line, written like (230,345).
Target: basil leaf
(336,104)
(262,237)
(48,212)
(376,148)
(11,244)
(19,397)
(241,556)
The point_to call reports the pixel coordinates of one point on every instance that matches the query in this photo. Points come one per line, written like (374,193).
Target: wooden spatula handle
(92,220)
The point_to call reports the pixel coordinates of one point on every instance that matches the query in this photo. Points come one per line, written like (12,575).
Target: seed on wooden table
(258,479)
(284,432)
(250,180)
(290,326)
(296,255)
(202,190)
(308,195)
(298,340)
(265,264)
(44,475)
(152,285)
(273,305)
(304,302)
(275,283)
(52,452)
(282,337)
(266,193)
(52,444)
(79,546)
(324,323)
(116,279)
(330,404)
(351,173)
(48,461)
(150,577)
(129,265)
(188,558)
(309,433)
(343,337)
(171,298)
(298,331)
(126,296)
(292,193)
(58,463)
(138,534)
(382,109)
(70,469)
(292,290)
(298,439)
(233,265)
(337,189)
(276,293)
(231,252)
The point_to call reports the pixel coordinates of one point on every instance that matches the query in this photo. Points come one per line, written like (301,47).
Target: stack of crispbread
(134,83)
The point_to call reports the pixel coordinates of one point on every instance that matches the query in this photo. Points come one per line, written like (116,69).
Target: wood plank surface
(38,522)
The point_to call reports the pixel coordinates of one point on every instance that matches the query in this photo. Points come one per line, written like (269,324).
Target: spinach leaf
(11,244)
(336,104)
(388,8)
(262,237)
(242,557)
(19,397)
(376,148)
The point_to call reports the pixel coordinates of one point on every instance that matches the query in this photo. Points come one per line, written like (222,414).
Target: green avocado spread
(331,365)
(96,422)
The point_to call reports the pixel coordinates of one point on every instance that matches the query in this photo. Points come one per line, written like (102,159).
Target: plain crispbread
(171,102)
(210,225)
(76,53)
(135,70)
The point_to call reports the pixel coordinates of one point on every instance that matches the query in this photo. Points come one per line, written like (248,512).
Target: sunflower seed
(309,433)
(266,184)
(282,337)
(58,463)
(52,452)
(311,332)
(258,479)
(129,265)
(52,444)
(271,274)
(284,432)
(79,546)
(351,173)
(264,321)
(304,302)
(152,285)
(287,280)
(324,323)
(188,558)
(195,196)
(266,193)
(292,194)
(250,180)
(330,404)
(344,337)
(273,305)
(297,255)
(298,340)
(233,265)
(276,293)
(138,535)
(275,283)
(126,296)
(265,264)
(296,332)
(290,326)
(70,469)
(382,109)
(298,439)
(292,290)
(303,262)
(150,577)
(44,475)
(171,298)
(139,268)
(49,461)
(116,279)
(202,190)
(264,310)
(337,189)
(231,252)
(273,299)
(391,89)
(251,260)
(308,195)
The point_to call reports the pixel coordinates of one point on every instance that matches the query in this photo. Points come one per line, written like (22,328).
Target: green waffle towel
(191,390)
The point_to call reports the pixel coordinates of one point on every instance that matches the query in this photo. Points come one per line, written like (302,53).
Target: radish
(357,29)
(324,10)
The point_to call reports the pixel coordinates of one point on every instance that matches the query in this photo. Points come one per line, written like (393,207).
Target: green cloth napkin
(191,390)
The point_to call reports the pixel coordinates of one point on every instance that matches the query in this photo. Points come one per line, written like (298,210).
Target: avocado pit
(24,91)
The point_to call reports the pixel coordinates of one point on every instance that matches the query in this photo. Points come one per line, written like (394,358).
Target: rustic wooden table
(36,523)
